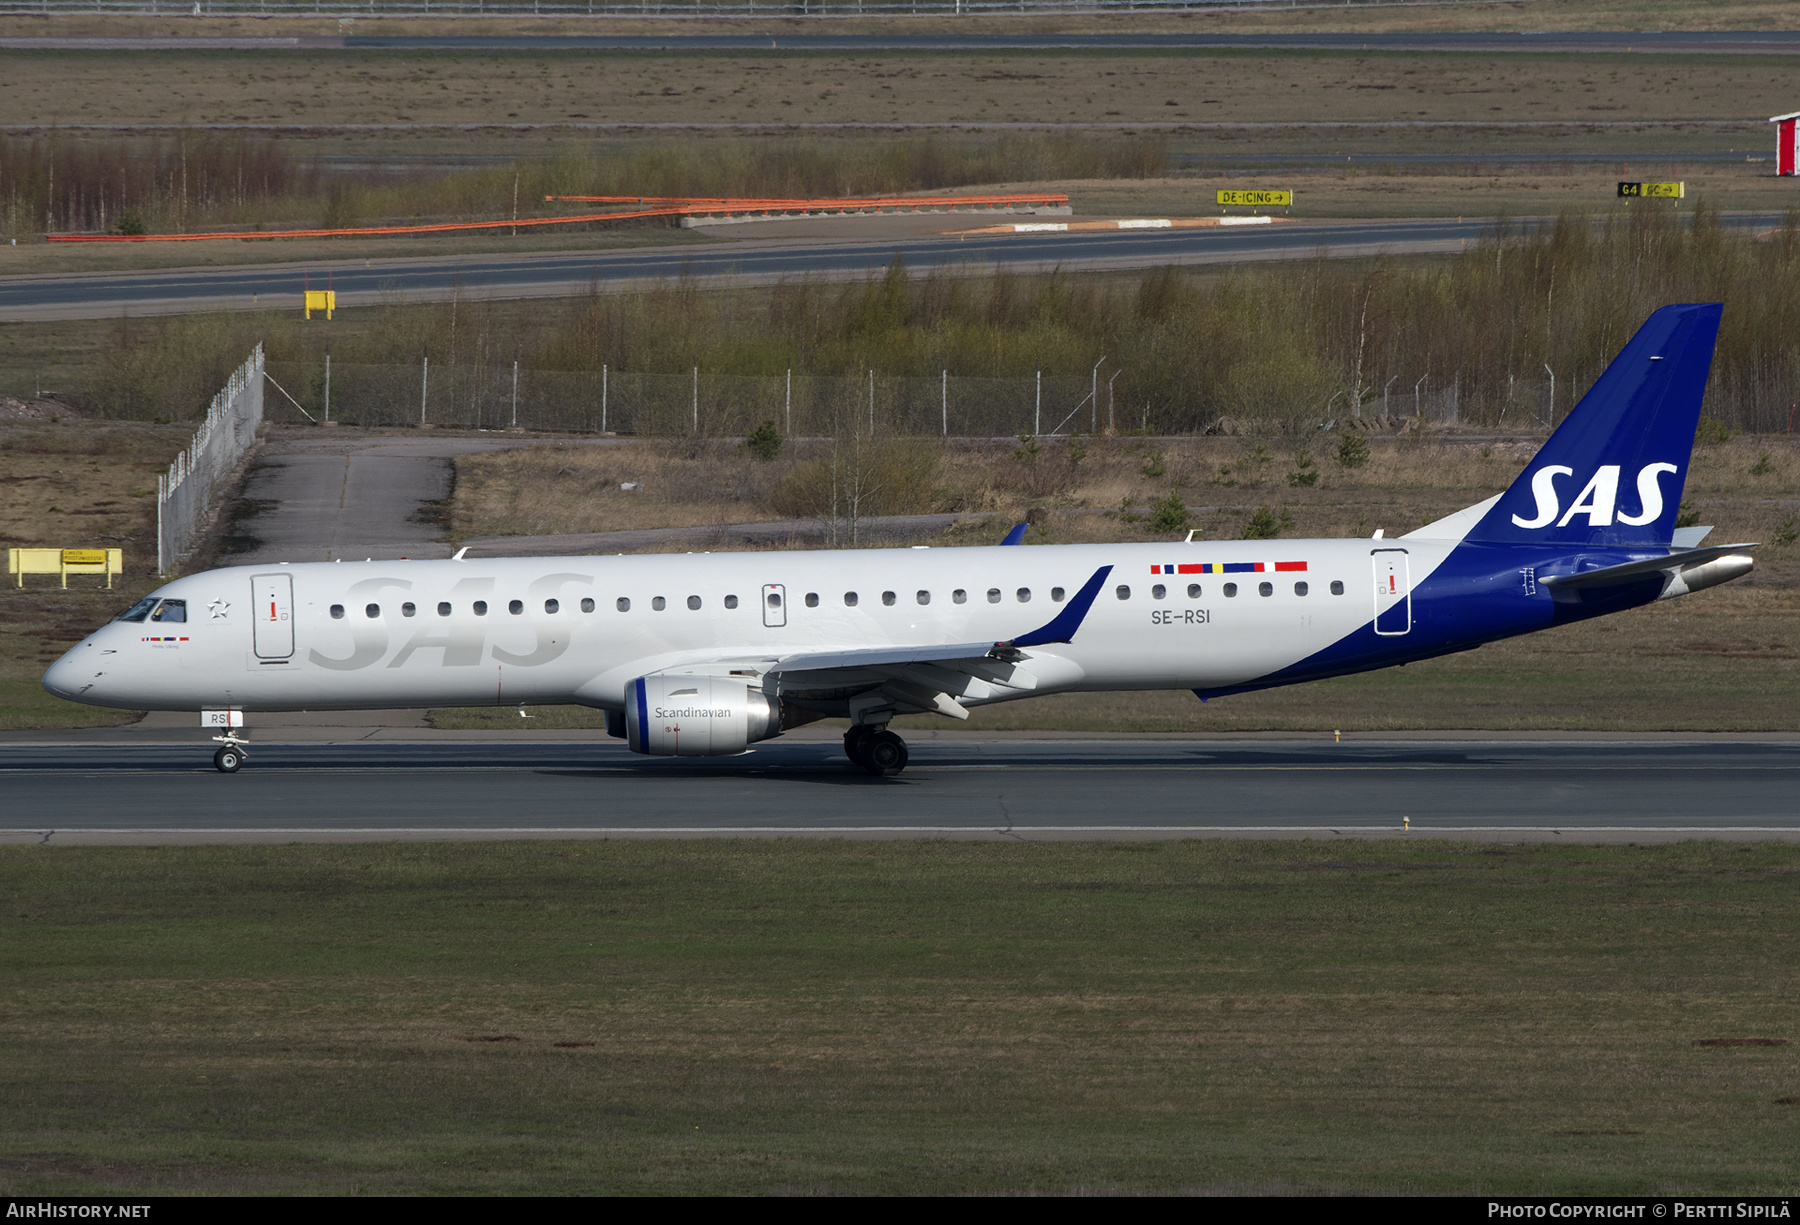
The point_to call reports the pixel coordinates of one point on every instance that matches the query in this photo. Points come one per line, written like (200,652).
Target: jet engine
(696,716)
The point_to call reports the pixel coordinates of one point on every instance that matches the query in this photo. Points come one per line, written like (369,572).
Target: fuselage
(1209,616)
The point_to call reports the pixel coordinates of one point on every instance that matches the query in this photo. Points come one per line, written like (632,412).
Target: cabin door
(1393,593)
(774,602)
(272,611)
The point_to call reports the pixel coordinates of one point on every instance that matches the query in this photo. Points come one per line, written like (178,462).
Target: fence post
(515,409)
(1037,413)
(944,400)
(603,397)
(424,381)
(790,402)
(328,384)
(871,405)
(696,401)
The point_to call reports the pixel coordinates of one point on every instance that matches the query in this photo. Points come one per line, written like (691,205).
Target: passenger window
(409,609)
(731,601)
(1159,592)
(337,612)
(658,603)
(959,596)
(694,602)
(1023,595)
(171,611)
(480,607)
(1337,587)
(993,595)
(924,597)
(444,609)
(1193,591)
(1122,591)
(515,607)
(773,600)
(849,599)
(587,604)
(1265,589)
(887,597)
(1056,594)
(812,599)
(622,604)
(1231,591)
(372,611)
(551,606)
(1300,588)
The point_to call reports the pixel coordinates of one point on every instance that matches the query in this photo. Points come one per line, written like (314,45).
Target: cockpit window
(140,610)
(171,611)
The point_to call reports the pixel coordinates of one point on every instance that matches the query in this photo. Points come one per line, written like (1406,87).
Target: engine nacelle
(696,716)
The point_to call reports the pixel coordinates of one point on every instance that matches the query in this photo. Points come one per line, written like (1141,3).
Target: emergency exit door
(774,600)
(1393,593)
(272,612)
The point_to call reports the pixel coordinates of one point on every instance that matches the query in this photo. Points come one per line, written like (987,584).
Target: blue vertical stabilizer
(1612,473)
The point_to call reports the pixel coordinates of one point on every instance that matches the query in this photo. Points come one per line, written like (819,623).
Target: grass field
(818,1017)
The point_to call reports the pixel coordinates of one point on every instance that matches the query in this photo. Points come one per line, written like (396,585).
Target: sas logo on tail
(1598,500)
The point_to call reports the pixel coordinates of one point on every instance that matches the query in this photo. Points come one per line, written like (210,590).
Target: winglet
(1017,535)
(1063,626)
(459,553)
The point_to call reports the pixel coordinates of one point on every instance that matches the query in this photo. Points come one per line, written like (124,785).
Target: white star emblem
(219,608)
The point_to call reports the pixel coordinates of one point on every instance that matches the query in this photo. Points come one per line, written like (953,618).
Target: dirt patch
(493,1038)
(1740,1041)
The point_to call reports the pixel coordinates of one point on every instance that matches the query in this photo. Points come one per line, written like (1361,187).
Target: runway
(480,788)
(760,261)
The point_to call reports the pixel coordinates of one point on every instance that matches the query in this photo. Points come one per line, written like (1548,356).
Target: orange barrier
(664,206)
(759,204)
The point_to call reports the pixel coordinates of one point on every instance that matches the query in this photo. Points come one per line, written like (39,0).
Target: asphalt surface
(482,787)
(762,261)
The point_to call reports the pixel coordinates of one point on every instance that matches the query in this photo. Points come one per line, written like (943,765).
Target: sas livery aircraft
(707,654)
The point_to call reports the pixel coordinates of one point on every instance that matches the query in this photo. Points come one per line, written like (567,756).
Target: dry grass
(901,1017)
(324,88)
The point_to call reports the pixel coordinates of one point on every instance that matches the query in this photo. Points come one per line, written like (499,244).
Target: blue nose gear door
(1393,593)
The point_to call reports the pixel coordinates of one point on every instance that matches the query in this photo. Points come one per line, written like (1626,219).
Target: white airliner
(704,654)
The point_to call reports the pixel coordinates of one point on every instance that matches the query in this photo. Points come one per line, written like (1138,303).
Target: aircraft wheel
(228,760)
(884,755)
(856,743)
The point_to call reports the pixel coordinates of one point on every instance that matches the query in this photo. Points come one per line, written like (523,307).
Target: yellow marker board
(1257,199)
(320,300)
(1653,191)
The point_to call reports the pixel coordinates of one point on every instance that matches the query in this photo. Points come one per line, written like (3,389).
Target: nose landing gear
(231,754)
(875,749)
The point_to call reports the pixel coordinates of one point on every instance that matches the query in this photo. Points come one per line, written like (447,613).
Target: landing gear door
(774,602)
(272,612)
(1393,593)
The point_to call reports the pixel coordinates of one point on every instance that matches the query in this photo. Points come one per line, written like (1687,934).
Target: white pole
(871,403)
(1552,375)
(424,381)
(515,417)
(1037,414)
(945,402)
(1094,395)
(328,384)
(1109,398)
(1422,378)
(603,397)
(790,402)
(696,401)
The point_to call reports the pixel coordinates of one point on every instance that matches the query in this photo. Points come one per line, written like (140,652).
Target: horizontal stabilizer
(1612,576)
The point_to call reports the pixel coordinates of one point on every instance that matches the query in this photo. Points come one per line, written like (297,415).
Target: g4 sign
(1598,500)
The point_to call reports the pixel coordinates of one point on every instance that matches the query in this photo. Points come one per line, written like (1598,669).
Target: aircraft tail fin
(1611,475)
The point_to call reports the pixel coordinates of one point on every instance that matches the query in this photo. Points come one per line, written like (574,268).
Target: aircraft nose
(73,674)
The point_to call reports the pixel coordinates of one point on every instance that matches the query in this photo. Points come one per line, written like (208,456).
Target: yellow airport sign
(65,562)
(320,300)
(1653,191)
(1256,199)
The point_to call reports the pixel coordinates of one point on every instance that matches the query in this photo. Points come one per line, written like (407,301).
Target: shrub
(1304,475)
(1711,432)
(1169,514)
(1264,525)
(132,222)
(764,441)
(1352,451)
(1154,466)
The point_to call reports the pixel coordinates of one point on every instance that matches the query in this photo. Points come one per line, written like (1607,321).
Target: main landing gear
(231,754)
(875,749)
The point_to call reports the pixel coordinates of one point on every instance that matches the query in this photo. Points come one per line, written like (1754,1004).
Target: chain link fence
(740,9)
(184,495)
(696,404)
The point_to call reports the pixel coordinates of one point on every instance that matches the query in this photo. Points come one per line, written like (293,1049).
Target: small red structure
(1787,143)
